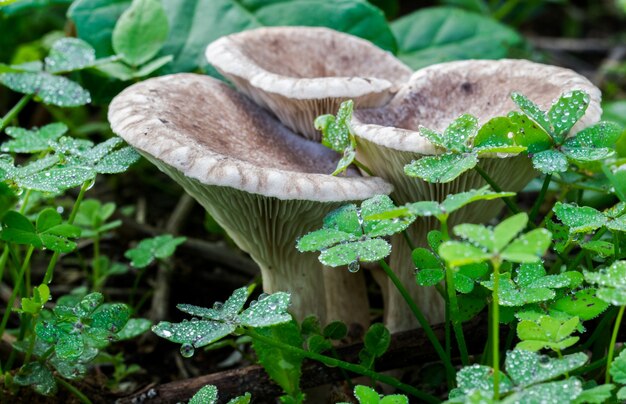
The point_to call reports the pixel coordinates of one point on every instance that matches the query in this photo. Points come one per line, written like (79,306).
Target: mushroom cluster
(260,171)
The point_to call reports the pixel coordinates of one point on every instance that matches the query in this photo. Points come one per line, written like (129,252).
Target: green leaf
(477,234)
(245,399)
(442,168)
(56,180)
(267,312)
(600,135)
(282,366)
(532,111)
(318,344)
(498,136)
(433,137)
(336,133)
(33,305)
(547,332)
(441,34)
(364,251)
(618,368)
(196,333)
(567,110)
(526,368)
(221,311)
(189,35)
(47,219)
(111,317)
(563,391)
(455,202)
(70,54)
(8,199)
(508,229)
(425,208)
(602,248)
(38,376)
(595,395)
(346,159)
(550,161)
(336,330)
(425,259)
(460,133)
(457,254)
(621,394)
(611,277)
(512,295)
(344,219)
(586,154)
(583,304)
(381,228)
(366,395)
(53,90)
(117,161)
(529,134)
(69,347)
(377,339)
(479,377)
(160,247)
(429,276)
(528,247)
(140,31)
(206,395)
(18,229)
(33,141)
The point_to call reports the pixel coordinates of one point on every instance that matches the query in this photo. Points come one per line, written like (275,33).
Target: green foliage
(442,34)
(611,282)
(209,395)
(150,249)
(224,318)
(367,395)
(50,231)
(337,135)
(527,379)
(547,332)
(348,235)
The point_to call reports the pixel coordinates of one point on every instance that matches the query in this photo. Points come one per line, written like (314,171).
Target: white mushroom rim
(132,118)
(225,54)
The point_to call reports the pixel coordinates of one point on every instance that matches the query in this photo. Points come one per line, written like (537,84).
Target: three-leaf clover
(348,237)
(547,332)
(584,219)
(500,243)
(208,395)
(214,323)
(551,146)
(150,249)
(49,231)
(463,143)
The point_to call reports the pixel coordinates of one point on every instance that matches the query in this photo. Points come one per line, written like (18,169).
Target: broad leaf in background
(443,34)
(190,35)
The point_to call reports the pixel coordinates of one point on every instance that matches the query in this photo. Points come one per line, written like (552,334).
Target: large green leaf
(196,23)
(442,34)
(53,90)
(442,168)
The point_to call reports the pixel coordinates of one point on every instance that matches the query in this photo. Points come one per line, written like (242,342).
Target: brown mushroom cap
(389,138)
(299,73)
(262,183)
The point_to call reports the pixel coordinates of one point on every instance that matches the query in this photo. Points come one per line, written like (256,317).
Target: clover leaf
(150,249)
(50,231)
(212,324)
(350,236)
(33,141)
(547,332)
(337,135)
(611,282)
(553,150)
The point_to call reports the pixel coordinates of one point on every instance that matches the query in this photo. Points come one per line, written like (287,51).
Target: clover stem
(5,120)
(16,287)
(77,393)
(616,241)
(420,318)
(55,256)
(495,328)
(363,167)
(542,196)
(350,367)
(609,356)
(96,262)
(507,201)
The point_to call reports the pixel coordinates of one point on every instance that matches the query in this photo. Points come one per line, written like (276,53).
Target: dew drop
(187,350)
(354,266)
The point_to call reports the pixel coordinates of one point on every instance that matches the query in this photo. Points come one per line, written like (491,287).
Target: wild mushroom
(388,139)
(262,183)
(299,73)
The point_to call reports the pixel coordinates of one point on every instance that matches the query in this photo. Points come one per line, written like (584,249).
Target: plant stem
(616,240)
(363,167)
(53,260)
(16,287)
(453,304)
(77,393)
(542,196)
(609,356)
(507,201)
(96,262)
(420,318)
(350,367)
(495,329)
(14,111)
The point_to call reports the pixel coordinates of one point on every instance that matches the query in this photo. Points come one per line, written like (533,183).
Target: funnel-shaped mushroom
(262,183)
(299,73)
(388,139)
